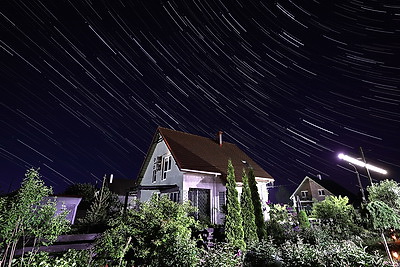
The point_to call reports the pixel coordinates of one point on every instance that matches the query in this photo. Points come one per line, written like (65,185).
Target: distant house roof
(120,186)
(196,153)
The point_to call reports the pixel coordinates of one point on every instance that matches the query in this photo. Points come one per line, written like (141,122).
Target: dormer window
(166,167)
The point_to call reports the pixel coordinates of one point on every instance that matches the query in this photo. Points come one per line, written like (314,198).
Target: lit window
(304,194)
(154,176)
(321,192)
(166,167)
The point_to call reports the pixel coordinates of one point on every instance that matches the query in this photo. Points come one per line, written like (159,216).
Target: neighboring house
(313,190)
(69,203)
(190,167)
(122,188)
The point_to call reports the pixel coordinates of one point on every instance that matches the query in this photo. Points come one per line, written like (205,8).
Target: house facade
(190,167)
(312,190)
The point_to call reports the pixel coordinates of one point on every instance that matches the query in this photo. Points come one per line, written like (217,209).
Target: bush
(78,258)
(334,254)
(261,254)
(300,255)
(220,255)
(157,234)
(303,220)
(281,232)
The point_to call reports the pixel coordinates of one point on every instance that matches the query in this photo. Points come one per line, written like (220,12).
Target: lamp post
(363,164)
(359,182)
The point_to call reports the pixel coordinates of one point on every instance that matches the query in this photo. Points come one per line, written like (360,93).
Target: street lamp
(360,163)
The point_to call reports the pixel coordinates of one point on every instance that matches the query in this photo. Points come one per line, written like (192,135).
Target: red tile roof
(199,153)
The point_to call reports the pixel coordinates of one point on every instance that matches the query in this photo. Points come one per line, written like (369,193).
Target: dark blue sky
(84,85)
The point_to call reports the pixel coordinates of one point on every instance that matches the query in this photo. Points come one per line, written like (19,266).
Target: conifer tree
(246,204)
(258,213)
(233,220)
(303,220)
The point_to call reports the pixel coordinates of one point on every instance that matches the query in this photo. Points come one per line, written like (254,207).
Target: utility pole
(363,158)
(359,182)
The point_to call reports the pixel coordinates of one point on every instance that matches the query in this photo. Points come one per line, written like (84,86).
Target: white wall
(206,181)
(174,176)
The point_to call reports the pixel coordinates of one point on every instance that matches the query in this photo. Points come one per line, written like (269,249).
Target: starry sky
(84,84)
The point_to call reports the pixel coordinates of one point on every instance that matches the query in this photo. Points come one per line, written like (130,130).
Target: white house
(190,167)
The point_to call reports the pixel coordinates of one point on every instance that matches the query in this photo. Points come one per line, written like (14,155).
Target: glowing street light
(361,163)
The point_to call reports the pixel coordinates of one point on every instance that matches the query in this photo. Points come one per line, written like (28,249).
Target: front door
(200,198)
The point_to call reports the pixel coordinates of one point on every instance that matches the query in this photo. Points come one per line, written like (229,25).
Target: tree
(337,214)
(302,217)
(104,205)
(383,217)
(247,208)
(387,191)
(158,233)
(233,219)
(26,217)
(258,212)
(334,209)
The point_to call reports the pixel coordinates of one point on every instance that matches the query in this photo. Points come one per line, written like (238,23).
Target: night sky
(84,84)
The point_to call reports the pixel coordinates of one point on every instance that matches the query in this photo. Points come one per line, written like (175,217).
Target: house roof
(329,185)
(202,154)
(120,186)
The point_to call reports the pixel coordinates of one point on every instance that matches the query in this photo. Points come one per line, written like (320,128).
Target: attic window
(304,194)
(166,167)
(321,192)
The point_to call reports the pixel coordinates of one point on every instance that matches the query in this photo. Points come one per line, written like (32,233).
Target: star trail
(84,84)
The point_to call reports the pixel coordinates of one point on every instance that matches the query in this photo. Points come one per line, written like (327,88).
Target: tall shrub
(246,204)
(26,217)
(302,217)
(258,213)
(233,219)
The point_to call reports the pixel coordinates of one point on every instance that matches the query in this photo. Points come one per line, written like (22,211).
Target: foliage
(303,220)
(336,213)
(233,219)
(334,253)
(220,255)
(105,206)
(382,216)
(156,234)
(258,213)
(78,258)
(279,213)
(25,217)
(281,226)
(299,254)
(247,208)
(280,232)
(262,253)
(387,191)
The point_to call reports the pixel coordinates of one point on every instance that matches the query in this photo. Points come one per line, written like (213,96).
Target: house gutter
(205,172)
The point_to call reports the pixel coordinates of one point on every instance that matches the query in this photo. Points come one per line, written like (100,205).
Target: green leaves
(233,219)
(258,213)
(246,204)
(26,216)
(382,216)
(387,191)
(160,235)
